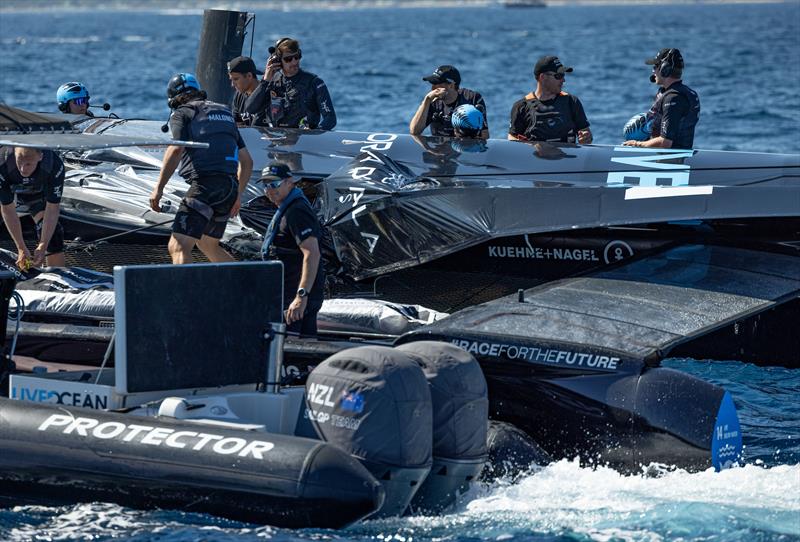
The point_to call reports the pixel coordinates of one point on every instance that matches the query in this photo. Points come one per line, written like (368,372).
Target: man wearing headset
(676,109)
(217,175)
(290,96)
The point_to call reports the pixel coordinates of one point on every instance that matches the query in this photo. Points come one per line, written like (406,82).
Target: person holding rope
(217,175)
(36,179)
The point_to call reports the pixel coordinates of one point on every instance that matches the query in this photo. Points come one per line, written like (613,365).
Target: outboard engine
(460,422)
(375,403)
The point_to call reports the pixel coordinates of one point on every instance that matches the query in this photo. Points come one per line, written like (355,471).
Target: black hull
(297,483)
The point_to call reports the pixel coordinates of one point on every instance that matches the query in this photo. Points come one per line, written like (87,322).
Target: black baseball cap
(243,64)
(444,74)
(549,64)
(677,58)
(275,172)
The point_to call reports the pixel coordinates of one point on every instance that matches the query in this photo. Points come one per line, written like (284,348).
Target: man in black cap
(244,79)
(549,113)
(437,106)
(676,109)
(293,238)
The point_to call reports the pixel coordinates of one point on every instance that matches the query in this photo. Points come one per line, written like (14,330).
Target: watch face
(302,292)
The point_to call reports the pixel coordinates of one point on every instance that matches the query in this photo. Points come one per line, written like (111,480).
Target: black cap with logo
(275,172)
(444,74)
(549,64)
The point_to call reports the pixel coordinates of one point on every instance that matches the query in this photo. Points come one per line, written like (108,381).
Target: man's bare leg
(180,248)
(213,251)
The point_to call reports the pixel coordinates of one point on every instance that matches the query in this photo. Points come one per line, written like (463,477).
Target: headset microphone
(104,107)
(652,78)
(164,128)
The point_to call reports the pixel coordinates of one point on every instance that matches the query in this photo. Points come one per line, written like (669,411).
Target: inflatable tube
(56,455)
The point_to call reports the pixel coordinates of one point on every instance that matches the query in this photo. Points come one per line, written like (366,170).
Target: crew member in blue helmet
(73,98)
(437,106)
(676,109)
(293,238)
(289,96)
(548,113)
(36,178)
(217,175)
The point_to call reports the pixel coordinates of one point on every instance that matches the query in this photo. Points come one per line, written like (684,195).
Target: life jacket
(212,123)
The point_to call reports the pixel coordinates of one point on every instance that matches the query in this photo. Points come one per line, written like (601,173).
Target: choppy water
(744,60)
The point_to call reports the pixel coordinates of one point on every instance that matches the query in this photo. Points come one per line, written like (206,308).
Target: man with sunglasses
(289,96)
(436,108)
(549,113)
(676,109)
(35,178)
(293,238)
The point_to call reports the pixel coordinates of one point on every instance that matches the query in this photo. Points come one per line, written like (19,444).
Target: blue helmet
(467,119)
(70,91)
(638,128)
(182,83)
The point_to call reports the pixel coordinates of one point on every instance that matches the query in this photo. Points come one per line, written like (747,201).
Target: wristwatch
(301,292)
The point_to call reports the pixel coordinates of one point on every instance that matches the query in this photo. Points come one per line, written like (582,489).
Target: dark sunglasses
(81,101)
(289,58)
(274,185)
(558,76)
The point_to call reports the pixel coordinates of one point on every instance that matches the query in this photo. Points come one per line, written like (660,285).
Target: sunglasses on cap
(81,101)
(558,76)
(289,58)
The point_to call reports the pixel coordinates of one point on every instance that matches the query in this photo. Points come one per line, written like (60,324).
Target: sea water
(743,59)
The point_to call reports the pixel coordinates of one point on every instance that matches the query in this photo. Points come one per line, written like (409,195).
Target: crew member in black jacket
(676,109)
(289,96)
(217,175)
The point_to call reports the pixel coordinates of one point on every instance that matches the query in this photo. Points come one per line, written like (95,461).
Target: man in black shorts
(438,105)
(293,237)
(36,178)
(217,175)
(549,113)
(676,109)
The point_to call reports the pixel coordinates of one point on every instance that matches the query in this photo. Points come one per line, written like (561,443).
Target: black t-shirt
(558,119)
(298,223)
(242,110)
(439,113)
(46,184)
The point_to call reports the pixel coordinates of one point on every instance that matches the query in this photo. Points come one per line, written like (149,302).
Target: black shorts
(206,207)
(56,244)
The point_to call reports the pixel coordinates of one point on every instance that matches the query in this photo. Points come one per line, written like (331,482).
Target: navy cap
(549,64)
(677,58)
(444,74)
(275,172)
